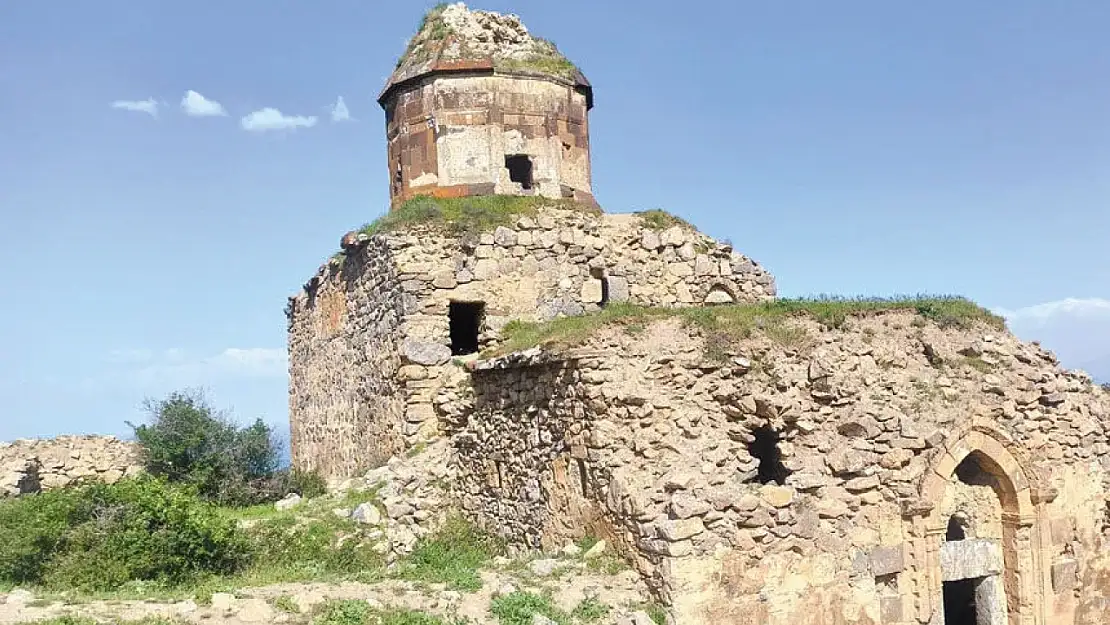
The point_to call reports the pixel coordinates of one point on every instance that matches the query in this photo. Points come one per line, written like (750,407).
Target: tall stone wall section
(346,404)
(448,136)
(369,338)
(31,465)
(872,420)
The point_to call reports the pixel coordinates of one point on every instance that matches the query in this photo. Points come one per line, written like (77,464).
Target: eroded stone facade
(479,106)
(452,136)
(32,465)
(370,338)
(641,439)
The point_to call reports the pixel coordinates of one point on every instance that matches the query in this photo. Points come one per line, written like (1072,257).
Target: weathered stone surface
(887,560)
(30,465)
(970,559)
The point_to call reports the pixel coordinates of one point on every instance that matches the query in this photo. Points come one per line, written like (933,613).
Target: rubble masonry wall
(873,419)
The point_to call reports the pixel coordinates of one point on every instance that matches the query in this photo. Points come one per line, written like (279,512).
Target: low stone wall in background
(33,465)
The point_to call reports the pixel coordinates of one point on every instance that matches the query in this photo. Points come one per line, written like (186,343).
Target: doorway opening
(520,170)
(959,603)
(466,325)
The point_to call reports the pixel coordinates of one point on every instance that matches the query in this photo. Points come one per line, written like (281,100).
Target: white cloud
(148,106)
(175,368)
(273,119)
(339,111)
(196,105)
(1077,329)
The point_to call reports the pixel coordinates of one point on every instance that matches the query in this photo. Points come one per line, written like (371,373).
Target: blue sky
(856,147)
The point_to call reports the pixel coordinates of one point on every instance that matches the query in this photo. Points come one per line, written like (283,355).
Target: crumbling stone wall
(370,338)
(346,404)
(449,136)
(31,465)
(873,420)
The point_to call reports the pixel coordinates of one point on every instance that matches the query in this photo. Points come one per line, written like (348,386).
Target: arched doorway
(978,539)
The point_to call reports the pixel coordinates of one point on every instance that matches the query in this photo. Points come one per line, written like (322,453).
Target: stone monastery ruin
(624,376)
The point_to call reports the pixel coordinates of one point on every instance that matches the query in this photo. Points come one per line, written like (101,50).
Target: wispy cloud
(196,105)
(173,368)
(148,106)
(339,111)
(273,119)
(1077,329)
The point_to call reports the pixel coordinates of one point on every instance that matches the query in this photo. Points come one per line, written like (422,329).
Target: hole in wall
(765,449)
(520,170)
(466,324)
(957,529)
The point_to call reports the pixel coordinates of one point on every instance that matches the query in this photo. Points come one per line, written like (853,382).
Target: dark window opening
(765,449)
(466,324)
(959,602)
(956,530)
(500,473)
(520,170)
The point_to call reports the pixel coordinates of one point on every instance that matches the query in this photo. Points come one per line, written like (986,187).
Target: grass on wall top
(726,325)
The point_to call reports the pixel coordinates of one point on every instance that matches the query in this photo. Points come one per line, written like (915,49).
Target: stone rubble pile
(31,465)
(412,496)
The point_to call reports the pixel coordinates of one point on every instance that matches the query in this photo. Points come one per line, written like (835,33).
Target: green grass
(466,215)
(356,612)
(451,556)
(590,611)
(287,604)
(725,326)
(519,607)
(658,219)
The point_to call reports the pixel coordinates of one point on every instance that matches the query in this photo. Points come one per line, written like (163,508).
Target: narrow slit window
(520,170)
(466,325)
(765,449)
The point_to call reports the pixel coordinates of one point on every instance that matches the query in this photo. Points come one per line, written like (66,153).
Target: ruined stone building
(907,463)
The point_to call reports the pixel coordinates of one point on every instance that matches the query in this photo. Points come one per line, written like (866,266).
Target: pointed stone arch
(1022,494)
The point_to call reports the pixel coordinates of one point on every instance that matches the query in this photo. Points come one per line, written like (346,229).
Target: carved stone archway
(1025,575)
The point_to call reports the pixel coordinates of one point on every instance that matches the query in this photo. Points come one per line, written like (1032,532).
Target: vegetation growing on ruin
(466,215)
(659,219)
(358,612)
(432,29)
(547,60)
(725,326)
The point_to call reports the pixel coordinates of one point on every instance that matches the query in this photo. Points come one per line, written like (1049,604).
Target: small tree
(189,442)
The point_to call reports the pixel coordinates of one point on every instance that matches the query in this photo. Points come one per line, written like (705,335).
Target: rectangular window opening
(466,326)
(520,170)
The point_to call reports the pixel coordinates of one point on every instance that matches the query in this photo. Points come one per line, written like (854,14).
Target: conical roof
(454,38)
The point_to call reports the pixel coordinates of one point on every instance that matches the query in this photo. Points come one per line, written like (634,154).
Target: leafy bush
(188,442)
(99,537)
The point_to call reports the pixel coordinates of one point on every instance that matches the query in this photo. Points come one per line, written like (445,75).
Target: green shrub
(99,537)
(188,442)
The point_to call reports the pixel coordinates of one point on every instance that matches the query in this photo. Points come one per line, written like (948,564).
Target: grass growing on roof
(659,219)
(465,215)
(724,325)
